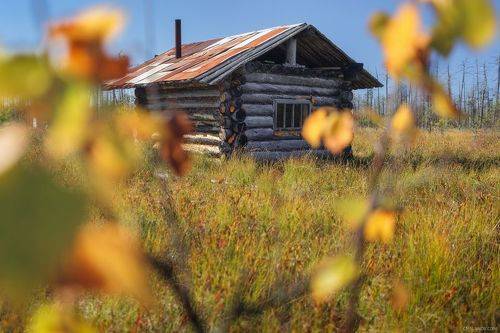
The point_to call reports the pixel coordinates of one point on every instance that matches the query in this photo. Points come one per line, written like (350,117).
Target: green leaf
(39,220)
(24,76)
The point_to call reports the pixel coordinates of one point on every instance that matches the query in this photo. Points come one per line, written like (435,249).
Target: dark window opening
(290,114)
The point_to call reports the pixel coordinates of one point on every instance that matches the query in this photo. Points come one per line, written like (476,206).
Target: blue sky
(343,21)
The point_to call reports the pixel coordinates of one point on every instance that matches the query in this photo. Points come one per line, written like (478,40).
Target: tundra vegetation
(109,225)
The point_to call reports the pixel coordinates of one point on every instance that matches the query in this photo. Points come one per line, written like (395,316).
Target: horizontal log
(182,105)
(201,128)
(202,149)
(183,94)
(268,134)
(278,155)
(203,139)
(293,80)
(259,121)
(325,72)
(259,134)
(280,89)
(277,145)
(258,109)
(205,116)
(269,99)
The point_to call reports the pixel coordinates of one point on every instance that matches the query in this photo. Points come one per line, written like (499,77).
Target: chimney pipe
(178,39)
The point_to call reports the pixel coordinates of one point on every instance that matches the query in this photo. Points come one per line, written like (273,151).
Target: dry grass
(276,221)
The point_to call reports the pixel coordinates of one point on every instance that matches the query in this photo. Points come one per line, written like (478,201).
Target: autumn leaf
(380,226)
(85,35)
(313,128)
(339,131)
(402,37)
(334,128)
(70,124)
(473,21)
(403,123)
(13,143)
(351,210)
(24,76)
(442,103)
(479,25)
(331,276)
(54,318)
(139,124)
(107,258)
(172,138)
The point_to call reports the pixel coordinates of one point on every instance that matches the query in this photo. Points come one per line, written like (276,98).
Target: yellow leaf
(479,22)
(314,127)
(351,210)
(111,157)
(403,39)
(68,129)
(109,259)
(442,103)
(378,24)
(331,276)
(380,226)
(138,124)
(24,76)
(403,122)
(55,319)
(339,131)
(13,143)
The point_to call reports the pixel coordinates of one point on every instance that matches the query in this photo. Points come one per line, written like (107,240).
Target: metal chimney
(178,39)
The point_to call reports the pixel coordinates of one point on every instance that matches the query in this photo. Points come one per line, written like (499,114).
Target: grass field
(276,221)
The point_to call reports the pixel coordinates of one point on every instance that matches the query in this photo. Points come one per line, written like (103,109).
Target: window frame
(286,102)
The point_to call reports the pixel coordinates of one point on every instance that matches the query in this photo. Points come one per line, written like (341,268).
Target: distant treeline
(473,86)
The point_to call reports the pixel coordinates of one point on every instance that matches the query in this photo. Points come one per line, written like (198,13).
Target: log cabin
(250,92)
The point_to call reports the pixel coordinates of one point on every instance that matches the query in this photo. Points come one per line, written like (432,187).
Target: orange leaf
(86,34)
(171,144)
(107,258)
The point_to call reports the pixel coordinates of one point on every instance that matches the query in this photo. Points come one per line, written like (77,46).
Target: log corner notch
(233,125)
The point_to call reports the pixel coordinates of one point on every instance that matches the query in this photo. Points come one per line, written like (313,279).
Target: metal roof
(210,61)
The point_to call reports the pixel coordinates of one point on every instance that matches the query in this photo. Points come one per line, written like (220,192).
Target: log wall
(200,103)
(266,83)
(238,114)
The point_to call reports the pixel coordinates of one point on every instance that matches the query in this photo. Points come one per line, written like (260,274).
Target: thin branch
(167,271)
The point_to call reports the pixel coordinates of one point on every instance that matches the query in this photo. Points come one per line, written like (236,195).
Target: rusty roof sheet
(210,61)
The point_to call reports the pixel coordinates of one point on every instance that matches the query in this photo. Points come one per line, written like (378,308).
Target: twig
(352,315)
(167,271)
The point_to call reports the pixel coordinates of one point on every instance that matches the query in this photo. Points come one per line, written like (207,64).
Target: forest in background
(473,85)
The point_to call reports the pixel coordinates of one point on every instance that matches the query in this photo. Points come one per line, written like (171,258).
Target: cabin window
(290,114)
